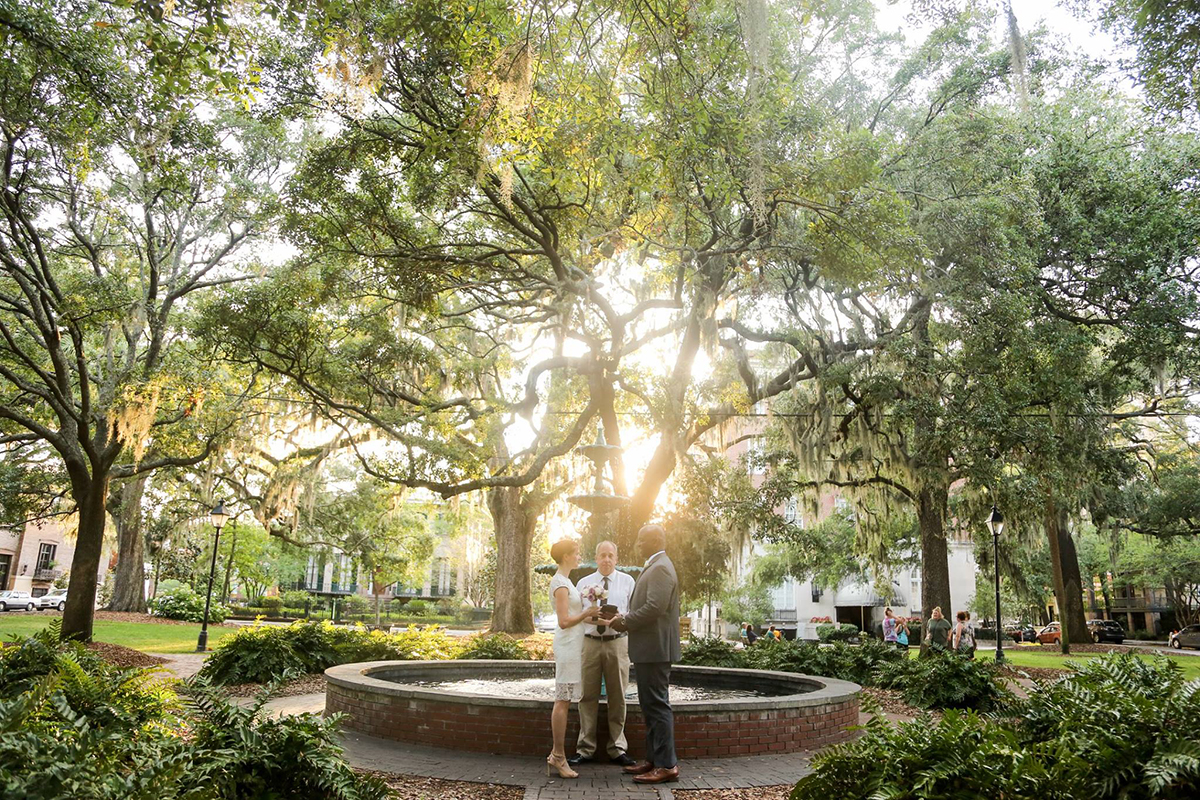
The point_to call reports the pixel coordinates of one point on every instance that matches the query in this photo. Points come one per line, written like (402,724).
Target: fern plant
(1117,727)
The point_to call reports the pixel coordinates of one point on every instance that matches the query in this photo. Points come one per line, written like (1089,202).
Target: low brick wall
(817,715)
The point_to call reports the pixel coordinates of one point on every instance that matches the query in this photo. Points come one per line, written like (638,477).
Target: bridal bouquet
(596,595)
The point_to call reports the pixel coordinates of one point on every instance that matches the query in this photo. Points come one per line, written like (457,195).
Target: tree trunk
(935,566)
(129,579)
(91,495)
(1068,586)
(512,611)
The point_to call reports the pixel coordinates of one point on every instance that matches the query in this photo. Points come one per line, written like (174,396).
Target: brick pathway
(595,782)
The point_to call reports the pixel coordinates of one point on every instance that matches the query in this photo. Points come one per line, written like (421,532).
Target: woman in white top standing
(568,649)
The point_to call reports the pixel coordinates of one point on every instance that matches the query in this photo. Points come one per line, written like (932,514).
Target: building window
(45,558)
(816,593)
(5,567)
(784,595)
(914,600)
(315,574)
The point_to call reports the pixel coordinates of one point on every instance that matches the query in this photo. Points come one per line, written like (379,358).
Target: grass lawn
(148,637)
(1023,658)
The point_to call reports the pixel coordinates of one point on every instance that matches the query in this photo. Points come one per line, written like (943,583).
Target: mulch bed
(308,684)
(417,787)
(892,701)
(754,793)
(129,616)
(1033,673)
(123,656)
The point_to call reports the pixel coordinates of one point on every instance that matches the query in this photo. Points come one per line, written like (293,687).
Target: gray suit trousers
(653,682)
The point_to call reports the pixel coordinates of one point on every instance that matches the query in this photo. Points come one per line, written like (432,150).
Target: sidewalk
(595,781)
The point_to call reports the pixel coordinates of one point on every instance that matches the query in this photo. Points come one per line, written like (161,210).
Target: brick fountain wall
(818,714)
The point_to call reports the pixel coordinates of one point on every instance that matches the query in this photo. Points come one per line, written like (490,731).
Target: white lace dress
(568,645)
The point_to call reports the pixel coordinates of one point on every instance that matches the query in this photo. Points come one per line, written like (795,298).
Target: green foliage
(73,726)
(946,681)
(296,599)
(748,602)
(494,646)
(183,602)
(415,608)
(856,663)
(712,651)
(354,605)
(1116,727)
(834,632)
(266,653)
(260,756)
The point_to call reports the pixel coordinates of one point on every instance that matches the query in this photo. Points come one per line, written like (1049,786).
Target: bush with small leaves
(184,603)
(712,651)
(844,632)
(494,647)
(265,653)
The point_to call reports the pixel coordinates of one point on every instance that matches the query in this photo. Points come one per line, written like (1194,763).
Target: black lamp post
(996,524)
(218,516)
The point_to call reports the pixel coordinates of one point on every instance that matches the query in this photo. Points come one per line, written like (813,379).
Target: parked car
(1051,634)
(546,622)
(1106,630)
(55,598)
(14,599)
(1021,633)
(1188,637)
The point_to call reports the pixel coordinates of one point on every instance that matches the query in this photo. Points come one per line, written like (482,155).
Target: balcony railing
(343,588)
(306,586)
(47,574)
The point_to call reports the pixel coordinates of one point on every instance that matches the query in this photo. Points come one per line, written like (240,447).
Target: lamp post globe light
(217,516)
(996,525)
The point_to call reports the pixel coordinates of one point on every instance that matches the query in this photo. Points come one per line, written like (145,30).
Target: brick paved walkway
(595,782)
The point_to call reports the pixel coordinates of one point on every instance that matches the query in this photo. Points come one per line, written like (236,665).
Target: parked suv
(55,598)
(14,599)
(1106,630)
(1188,637)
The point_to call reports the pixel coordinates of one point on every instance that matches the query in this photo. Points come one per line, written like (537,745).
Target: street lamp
(996,524)
(218,516)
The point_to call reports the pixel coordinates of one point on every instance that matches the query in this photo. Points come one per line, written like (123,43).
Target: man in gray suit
(653,625)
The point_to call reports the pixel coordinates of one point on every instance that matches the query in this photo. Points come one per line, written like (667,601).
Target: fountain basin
(386,699)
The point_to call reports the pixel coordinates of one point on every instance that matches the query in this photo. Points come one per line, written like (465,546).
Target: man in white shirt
(605,653)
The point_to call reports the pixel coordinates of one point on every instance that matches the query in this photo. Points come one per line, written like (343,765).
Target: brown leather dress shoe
(640,768)
(659,775)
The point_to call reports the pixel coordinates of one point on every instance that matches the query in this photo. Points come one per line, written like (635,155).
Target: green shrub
(855,663)
(1117,727)
(495,647)
(844,632)
(946,680)
(182,602)
(272,604)
(712,651)
(296,599)
(259,756)
(89,731)
(448,606)
(415,608)
(265,653)
(354,604)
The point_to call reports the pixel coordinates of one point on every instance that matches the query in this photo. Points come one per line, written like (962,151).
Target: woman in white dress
(568,649)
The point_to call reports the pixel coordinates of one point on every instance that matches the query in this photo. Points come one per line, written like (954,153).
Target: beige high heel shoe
(560,763)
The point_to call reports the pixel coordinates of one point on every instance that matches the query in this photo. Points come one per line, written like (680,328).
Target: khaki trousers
(609,659)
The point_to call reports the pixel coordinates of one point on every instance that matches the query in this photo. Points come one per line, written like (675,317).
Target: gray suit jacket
(653,618)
